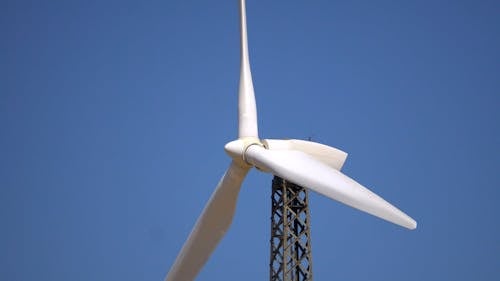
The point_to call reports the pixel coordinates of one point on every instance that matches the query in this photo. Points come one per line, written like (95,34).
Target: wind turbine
(305,163)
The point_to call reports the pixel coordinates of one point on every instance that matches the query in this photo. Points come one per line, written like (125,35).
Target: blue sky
(114,115)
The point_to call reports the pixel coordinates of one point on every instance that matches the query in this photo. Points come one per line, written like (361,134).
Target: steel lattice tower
(291,257)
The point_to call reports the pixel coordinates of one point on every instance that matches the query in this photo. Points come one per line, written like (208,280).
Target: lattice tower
(291,257)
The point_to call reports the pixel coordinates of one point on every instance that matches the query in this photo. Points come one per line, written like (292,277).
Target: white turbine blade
(210,227)
(306,171)
(247,110)
(331,156)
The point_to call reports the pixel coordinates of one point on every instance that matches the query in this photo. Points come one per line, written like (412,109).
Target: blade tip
(412,225)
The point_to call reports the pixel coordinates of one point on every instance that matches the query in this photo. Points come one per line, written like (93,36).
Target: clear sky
(114,114)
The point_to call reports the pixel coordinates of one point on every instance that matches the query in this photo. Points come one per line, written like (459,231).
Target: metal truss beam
(291,257)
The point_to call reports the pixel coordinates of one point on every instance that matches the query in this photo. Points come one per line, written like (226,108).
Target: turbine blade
(331,156)
(210,227)
(247,110)
(302,169)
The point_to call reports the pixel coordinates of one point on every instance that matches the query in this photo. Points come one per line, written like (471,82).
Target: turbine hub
(236,149)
